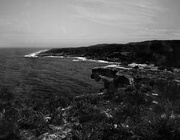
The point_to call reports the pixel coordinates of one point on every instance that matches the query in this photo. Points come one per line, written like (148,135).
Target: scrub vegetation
(144,110)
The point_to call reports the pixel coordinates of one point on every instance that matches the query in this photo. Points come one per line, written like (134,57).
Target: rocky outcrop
(112,78)
(116,77)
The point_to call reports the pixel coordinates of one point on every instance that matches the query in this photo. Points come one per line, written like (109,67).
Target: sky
(72,23)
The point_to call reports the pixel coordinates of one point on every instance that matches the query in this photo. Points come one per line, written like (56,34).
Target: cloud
(88,19)
(164,31)
(177,34)
(118,13)
(63,29)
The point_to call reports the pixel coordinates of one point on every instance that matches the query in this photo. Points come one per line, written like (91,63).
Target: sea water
(42,77)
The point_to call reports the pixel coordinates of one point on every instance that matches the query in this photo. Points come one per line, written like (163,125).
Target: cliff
(158,52)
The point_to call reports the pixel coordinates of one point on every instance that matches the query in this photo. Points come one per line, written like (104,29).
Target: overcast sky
(61,23)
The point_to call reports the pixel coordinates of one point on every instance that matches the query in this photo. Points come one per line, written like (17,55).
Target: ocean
(44,77)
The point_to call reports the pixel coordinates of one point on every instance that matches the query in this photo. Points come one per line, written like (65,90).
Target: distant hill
(159,52)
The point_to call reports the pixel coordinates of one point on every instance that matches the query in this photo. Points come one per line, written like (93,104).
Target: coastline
(35,54)
(75,59)
(84,59)
(91,60)
(166,55)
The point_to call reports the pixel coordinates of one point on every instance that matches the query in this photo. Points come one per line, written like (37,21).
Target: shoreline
(34,54)
(75,59)
(84,59)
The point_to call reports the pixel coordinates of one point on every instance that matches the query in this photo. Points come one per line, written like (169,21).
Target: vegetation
(164,53)
(141,111)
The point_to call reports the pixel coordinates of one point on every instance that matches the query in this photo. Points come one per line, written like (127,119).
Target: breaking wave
(34,54)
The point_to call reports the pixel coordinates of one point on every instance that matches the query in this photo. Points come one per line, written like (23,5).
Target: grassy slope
(128,113)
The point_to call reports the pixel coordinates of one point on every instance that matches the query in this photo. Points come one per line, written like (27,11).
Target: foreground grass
(134,112)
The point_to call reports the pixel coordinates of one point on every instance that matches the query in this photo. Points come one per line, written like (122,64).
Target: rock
(115,77)
(111,78)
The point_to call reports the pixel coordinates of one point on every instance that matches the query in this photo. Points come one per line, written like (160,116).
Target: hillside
(158,52)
